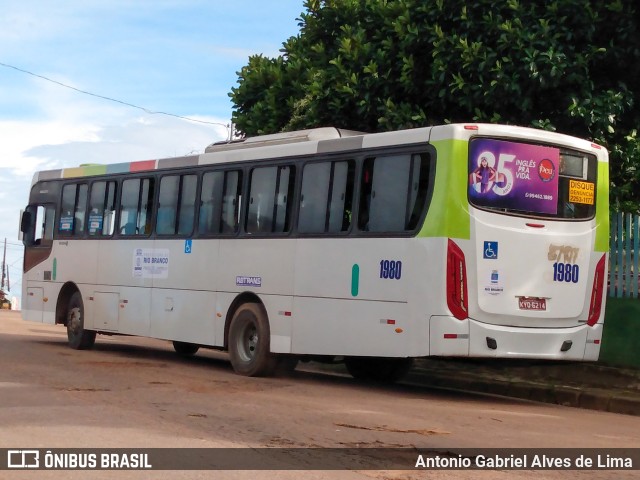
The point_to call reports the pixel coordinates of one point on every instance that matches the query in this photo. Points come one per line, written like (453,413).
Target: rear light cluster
(595,306)
(457,300)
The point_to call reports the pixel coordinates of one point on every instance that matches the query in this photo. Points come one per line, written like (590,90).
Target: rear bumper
(469,338)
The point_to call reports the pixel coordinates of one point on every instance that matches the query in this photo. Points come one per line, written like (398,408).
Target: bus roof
(309,142)
(314,134)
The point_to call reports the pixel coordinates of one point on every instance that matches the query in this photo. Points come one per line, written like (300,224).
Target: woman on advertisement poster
(485,175)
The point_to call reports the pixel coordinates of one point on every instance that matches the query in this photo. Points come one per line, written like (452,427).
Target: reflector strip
(456,336)
(456,282)
(387,321)
(284,314)
(595,306)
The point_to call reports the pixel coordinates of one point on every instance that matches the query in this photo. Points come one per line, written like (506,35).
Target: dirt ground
(130,392)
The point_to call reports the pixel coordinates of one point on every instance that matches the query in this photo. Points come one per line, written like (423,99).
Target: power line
(146,110)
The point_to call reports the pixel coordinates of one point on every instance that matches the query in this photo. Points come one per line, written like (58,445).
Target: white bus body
(469,278)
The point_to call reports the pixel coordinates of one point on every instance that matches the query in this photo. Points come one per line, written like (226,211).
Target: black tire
(378,369)
(79,338)
(249,342)
(185,349)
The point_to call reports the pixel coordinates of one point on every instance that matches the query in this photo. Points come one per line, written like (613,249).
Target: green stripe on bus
(55,268)
(602,209)
(355,279)
(448,214)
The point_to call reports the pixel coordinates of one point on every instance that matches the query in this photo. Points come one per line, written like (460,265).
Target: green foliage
(620,336)
(374,65)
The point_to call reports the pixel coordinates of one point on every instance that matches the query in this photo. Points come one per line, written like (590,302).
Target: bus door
(37,235)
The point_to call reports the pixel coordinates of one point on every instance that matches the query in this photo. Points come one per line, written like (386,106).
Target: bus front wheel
(79,338)
(378,369)
(249,342)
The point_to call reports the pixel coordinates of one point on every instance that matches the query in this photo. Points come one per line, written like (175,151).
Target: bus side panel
(261,265)
(32,304)
(66,254)
(265,268)
(135,311)
(120,271)
(67,268)
(358,269)
(350,327)
(183,298)
(182,315)
(351,298)
(44,281)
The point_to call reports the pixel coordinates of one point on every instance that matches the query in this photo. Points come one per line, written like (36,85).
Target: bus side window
(314,197)
(210,199)
(40,230)
(365,194)
(136,206)
(73,209)
(187,204)
(394,191)
(231,201)
(261,199)
(167,205)
(325,202)
(101,208)
(109,212)
(176,204)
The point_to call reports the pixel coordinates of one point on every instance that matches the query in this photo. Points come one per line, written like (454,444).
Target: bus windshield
(531,179)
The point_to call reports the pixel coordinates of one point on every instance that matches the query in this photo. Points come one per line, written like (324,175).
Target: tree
(374,65)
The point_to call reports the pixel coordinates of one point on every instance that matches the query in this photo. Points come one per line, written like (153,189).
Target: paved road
(136,393)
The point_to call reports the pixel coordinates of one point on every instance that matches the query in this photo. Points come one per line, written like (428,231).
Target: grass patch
(621,335)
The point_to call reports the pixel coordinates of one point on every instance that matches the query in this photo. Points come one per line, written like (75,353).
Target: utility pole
(4,258)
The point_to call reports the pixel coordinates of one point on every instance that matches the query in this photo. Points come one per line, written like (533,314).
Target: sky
(173,56)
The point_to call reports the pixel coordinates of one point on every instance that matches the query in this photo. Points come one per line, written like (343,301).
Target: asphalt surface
(584,385)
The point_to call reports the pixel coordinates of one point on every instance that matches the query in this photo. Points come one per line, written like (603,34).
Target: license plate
(532,303)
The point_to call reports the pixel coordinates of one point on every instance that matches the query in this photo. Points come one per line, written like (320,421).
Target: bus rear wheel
(79,338)
(185,349)
(378,369)
(249,342)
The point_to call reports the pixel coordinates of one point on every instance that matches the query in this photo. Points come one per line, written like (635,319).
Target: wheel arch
(68,289)
(241,299)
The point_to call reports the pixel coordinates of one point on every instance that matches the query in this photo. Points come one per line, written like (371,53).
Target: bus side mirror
(25,222)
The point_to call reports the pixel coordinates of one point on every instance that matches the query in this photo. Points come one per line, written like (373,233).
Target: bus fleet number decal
(566,272)
(391,269)
(564,267)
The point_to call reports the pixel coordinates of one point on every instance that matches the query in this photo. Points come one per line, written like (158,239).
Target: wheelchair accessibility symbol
(490,250)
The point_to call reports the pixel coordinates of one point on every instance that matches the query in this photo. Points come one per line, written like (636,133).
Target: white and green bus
(457,240)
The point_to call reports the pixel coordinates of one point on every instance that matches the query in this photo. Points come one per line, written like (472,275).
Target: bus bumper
(469,338)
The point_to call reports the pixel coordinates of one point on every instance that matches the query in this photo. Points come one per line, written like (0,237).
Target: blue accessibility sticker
(490,250)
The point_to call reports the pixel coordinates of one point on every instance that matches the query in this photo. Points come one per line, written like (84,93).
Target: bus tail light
(457,282)
(595,307)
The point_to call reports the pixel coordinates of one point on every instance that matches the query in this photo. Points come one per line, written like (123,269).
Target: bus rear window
(531,179)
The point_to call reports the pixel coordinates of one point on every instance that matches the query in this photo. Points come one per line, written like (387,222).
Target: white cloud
(71,131)
(180,56)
